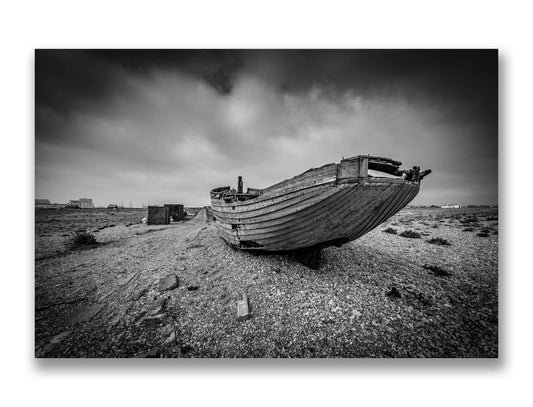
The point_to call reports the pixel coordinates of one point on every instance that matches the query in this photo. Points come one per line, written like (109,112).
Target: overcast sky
(167,126)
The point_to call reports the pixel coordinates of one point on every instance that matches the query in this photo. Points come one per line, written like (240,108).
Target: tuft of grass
(470,219)
(435,226)
(83,239)
(392,231)
(439,241)
(437,271)
(411,234)
(468,229)
(482,234)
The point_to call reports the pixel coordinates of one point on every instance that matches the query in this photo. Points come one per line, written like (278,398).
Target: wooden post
(243,309)
(363,166)
(239,185)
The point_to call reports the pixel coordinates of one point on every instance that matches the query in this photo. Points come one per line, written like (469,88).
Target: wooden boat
(321,207)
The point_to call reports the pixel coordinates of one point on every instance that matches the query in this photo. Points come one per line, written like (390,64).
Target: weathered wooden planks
(331,204)
(175,211)
(334,217)
(330,226)
(308,178)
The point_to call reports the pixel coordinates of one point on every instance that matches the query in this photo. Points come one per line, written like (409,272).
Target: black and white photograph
(266,203)
(276,203)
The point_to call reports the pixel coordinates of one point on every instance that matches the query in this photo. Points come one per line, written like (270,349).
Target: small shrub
(439,241)
(81,239)
(392,231)
(437,271)
(411,234)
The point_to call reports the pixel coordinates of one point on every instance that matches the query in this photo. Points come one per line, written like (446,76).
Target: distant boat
(326,206)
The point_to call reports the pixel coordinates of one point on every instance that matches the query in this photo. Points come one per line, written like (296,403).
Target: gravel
(369,298)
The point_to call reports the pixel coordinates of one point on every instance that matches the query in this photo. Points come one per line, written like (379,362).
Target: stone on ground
(169,282)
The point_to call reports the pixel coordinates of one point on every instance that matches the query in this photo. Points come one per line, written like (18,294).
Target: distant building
(42,203)
(451,206)
(45,204)
(82,203)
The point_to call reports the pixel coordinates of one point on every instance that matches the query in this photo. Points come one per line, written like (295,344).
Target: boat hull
(317,214)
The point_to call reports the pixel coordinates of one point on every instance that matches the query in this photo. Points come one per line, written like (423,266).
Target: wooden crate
(158,215)
(175,211)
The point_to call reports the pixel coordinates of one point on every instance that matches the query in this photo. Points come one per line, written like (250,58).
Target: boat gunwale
(266,198)
(351,180)
(286,207)
(344,191)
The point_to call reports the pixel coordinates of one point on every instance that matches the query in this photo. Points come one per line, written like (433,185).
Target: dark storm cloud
(466,76)
(110,120)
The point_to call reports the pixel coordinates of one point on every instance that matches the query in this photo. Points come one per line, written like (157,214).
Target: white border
(297,24)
